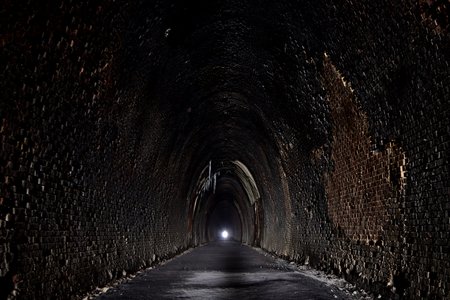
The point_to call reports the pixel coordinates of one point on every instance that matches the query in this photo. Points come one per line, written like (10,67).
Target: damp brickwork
(364,190)
(372,202)
(414,130)
(364,183)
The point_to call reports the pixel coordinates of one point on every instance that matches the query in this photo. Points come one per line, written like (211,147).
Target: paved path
(223,270)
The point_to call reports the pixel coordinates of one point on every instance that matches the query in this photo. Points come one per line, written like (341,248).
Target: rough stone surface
(326,124)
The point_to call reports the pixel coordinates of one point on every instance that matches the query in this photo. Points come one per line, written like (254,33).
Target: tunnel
(315,131)
(231,204)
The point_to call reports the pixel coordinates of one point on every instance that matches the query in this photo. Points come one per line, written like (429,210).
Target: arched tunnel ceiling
(235,86)
(233,81)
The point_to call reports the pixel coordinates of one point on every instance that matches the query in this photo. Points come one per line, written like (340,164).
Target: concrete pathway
(224,270)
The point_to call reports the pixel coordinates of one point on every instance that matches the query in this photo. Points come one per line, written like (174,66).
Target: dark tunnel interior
(132,130)
(224,216)
(226,199)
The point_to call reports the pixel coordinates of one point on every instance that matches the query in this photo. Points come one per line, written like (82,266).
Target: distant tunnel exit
(225,198)
(224,222)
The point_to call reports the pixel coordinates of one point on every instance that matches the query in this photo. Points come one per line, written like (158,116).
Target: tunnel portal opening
(226,198)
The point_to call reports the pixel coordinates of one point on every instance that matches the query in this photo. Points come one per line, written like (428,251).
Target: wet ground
(224,270)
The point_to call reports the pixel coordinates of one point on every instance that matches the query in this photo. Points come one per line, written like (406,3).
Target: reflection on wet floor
(224,270)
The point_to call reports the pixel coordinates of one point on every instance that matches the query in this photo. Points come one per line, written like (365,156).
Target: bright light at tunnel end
(224,234)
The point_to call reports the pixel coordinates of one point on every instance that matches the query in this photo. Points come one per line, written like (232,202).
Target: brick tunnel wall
(371,203)
(85,195)
(96,101)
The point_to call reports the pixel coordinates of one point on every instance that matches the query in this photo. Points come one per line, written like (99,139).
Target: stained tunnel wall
(340,111)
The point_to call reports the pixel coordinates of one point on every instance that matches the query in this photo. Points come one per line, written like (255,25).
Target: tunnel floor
(224,270)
